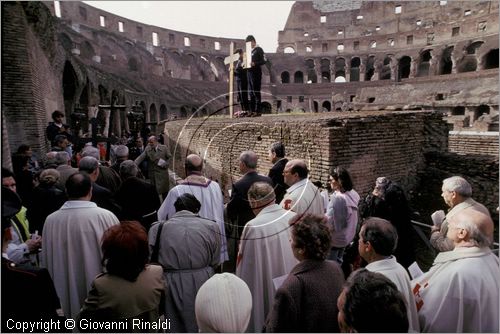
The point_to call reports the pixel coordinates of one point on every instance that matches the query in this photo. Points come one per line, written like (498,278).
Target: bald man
(302,196)
(158,158)
(207,192)
(460,292)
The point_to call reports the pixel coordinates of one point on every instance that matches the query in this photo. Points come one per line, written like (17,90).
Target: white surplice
(303,197)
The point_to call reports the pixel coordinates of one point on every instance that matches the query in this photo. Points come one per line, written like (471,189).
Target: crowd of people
(99,241)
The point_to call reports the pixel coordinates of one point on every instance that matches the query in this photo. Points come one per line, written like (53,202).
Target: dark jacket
(276,174)
(307,300)
(238,208)
(46,199)
(139,201)
(104,199)
(108,178)
(28,294)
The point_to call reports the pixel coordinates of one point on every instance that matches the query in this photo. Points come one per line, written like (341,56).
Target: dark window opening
(371,100)
(458,111)
(455,31)
(439,97)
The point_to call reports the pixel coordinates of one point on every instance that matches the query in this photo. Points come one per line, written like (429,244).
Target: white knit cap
(223,305)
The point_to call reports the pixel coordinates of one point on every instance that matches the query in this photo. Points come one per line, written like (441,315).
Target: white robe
(397,274)
(460,292)
(265,253)
(303,197)
(72,250)
(212,204)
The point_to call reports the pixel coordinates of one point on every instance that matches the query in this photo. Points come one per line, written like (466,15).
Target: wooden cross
(230,60)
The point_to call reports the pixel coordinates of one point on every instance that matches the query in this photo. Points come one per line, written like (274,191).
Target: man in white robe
(265,252)
(207,192)
(377,242)
(302,196)
(460,292)
(71,243)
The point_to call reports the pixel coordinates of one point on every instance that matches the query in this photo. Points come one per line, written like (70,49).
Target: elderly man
(121,154)
(207,192)
(277,157)
(265,251)
(107,177)
(63,161)
(377,242)
(456,192)
(460,292)
(302,196)
(158,158)
(71,243)
(100,195)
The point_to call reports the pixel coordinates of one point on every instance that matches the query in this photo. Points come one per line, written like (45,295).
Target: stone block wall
(472,142)
(369,144)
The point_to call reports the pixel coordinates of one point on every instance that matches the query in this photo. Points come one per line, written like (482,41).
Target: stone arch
(311,72)
(70,85)
(133,64)
(473,47)
(446,61)
(104,97)
(298,77)
(86,50)
(66,42)
(385,72)
(370,68)
(424,63)
(153,113)
(285,77)
(354,72)
(163,112)
(184,112)
(404,67)
(325,70)
(289,49)
(327,106)
(315,106)
(339,68)
(266,107)
(338,106)
(490,60)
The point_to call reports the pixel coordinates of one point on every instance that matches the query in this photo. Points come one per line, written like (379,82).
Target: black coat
(28,294)
(138,199)
(276,174)
(104,199)
(46,199)
(238,208)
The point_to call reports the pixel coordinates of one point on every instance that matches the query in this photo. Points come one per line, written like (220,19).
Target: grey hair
(459,185)
(261,191)
(91,151)
(49,176)
(249,158)
(88,164)
(121,151)
(476,237)
(62,158)
(128,168)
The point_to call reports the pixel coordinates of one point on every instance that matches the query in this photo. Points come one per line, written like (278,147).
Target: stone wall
(369,144)
(479,143)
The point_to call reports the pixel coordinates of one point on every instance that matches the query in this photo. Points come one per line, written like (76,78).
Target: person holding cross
(240,72)
(255,76)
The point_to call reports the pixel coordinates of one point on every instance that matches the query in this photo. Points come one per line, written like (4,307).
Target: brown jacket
(307,300)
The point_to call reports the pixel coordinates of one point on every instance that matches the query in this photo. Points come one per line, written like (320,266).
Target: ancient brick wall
(479,143)
(369,144)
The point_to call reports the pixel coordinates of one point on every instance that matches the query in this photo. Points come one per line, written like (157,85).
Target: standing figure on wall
(255,76)
(240,72)
(92,116)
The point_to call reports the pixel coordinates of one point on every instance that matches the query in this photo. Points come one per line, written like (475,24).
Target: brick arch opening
(285,77)
(315,106)
(327,106)
(163,112)
(339,69)
(70,87)
(490,60)
(298,77)
(446,62)
(404,67)
(325,70)
(385,71)
(354,71)
(266,108)
(370,68)
(311,72)
(424,63)
(153,113)
(184,112)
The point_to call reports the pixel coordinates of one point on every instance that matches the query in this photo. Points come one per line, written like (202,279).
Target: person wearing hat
(22,244)
(28,293)
(223,305)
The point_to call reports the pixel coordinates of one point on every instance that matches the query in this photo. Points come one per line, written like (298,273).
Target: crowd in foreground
(102,244)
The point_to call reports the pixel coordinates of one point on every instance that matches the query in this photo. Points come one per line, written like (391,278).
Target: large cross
(230,60)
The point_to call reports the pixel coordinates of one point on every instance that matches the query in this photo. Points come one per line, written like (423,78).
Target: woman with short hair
(129,288)
(306,302)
